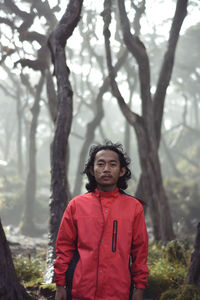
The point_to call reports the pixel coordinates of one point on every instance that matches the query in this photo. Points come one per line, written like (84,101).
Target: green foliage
(187,292)
(168,267)
(170,294)
(184,197)
(50,286)
(29,270)
(175,253)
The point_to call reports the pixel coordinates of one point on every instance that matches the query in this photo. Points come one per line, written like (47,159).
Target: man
(99,232)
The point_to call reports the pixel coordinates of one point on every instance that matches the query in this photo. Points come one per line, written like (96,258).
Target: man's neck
(106,189)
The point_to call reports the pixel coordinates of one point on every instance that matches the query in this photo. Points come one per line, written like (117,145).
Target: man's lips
(106,177)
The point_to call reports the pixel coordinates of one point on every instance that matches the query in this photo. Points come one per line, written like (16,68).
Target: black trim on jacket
(140,200)
(70,274)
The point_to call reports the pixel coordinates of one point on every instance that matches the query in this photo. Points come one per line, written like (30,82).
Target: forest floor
(30,247)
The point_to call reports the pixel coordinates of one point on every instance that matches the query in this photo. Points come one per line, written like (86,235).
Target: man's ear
(91,171)
(122,172)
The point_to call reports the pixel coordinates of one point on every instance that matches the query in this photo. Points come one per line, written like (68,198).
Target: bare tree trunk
(27,226)
(59,193)
(19,136)
(10,289)
(193,276)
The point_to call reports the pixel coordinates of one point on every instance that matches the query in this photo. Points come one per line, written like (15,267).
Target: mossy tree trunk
(10,289)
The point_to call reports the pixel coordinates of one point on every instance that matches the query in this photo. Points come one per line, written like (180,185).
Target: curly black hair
(124,163)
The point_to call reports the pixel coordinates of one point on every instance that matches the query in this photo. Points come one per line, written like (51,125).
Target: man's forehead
(107,155)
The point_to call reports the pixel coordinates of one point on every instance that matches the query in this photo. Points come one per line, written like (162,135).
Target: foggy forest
(77,73)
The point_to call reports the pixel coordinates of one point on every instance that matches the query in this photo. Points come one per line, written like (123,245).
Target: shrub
(168,267)
(189,292)
(169,294)
(29,269)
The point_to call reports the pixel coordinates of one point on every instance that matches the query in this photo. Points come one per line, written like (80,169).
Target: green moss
(168,267)
(175,252)
(48,290)
(29,269)
(51,287)
(169,294)
(189,292)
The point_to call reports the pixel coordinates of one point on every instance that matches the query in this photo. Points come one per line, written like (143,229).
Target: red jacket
(104,230)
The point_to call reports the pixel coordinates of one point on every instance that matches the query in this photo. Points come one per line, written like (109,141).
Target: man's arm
(65,245)
(139,252)
(138,294)
(60,293)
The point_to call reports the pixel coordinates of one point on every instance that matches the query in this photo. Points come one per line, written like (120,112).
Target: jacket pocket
(114,236)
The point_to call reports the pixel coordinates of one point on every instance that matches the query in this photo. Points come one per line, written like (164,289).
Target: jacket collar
(115,193)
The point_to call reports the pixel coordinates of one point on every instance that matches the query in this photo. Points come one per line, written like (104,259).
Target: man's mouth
(105,177)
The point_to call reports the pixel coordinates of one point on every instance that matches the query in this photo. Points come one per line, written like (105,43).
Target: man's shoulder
(81,197)
(131,197)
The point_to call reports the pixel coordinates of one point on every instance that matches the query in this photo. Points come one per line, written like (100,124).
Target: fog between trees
(30,107)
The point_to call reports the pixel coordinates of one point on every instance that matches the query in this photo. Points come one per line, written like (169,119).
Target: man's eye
(100,164)
(113,165)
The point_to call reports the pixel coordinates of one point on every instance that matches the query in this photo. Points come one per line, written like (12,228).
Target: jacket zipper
(114,236)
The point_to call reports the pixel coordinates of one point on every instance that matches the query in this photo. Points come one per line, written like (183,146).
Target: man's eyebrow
(103,160)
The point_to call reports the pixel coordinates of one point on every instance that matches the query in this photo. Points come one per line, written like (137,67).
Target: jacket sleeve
(139,250)
(65,244)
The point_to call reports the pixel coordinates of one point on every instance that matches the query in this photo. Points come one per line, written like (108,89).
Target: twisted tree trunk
(59,186)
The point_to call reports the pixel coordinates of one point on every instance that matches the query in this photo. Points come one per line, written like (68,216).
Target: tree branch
(131,117)
(137,48)
(167,66)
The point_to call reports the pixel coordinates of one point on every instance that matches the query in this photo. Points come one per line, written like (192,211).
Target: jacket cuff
(60,281)
(140,286)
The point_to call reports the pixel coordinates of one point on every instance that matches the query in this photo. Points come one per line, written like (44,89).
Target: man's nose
(107,167)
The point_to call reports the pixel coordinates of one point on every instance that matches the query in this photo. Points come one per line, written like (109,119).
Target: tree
(10,289)
(20,28)
(148,126)
(28,227)
(59,186)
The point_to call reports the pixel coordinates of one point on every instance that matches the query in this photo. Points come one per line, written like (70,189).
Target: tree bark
(193,276)
(10,289)
(167,66)
(52,97)
(59,193)
(27,226)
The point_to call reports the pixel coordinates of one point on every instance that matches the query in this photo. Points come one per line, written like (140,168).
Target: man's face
(107,170)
